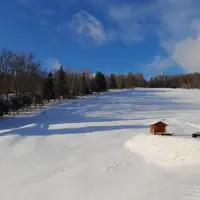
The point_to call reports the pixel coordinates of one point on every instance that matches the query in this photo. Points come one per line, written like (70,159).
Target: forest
(25,84)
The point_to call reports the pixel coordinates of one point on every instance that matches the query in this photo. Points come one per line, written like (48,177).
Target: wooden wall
(159,128)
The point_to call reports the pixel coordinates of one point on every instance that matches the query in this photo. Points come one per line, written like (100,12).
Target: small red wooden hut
(158,128)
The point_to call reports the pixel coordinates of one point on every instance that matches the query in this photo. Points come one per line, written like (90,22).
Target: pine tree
(49,90)
(84,87)
(140,80)
(4,108)
(100,83)
(75,86)
(61,84)
(93,85)
(112,82)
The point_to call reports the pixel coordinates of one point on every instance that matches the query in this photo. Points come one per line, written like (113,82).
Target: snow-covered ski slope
(78,150)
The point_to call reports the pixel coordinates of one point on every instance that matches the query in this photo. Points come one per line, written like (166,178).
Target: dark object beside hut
(196,135)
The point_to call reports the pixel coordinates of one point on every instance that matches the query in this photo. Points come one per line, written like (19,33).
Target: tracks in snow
(189,192)
(188,123)
(113,167)
(184,126)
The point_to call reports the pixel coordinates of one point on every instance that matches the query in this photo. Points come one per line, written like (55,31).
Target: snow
(154,122)
(99,148)
(166,151)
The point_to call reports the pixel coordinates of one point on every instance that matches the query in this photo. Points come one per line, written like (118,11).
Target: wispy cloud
(175,22)
(128,20)
(180,27)
(157,65)
(160,63)
(124,12)
(127,28)
(85,25)
(51,64)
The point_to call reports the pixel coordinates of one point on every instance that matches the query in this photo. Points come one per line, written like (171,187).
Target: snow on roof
(155,122)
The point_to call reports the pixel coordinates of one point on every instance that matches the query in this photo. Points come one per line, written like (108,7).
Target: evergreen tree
(140,80)
(75,86)
(61,84)
(1,108)
(4,108)
(93,85)
(26,101)
(100,84)
(112,82)
(84,86)
(15,104)
(49,92)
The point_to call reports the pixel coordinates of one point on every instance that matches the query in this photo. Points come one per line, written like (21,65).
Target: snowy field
(99,148)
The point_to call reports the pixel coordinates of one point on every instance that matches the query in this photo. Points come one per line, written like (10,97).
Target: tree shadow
(42,130)
(109,107)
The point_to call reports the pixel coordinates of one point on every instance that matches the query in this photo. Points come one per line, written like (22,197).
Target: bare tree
(5,57)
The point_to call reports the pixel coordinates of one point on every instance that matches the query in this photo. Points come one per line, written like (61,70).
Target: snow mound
(166,151)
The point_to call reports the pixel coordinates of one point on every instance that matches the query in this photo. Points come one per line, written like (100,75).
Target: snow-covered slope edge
(166,151)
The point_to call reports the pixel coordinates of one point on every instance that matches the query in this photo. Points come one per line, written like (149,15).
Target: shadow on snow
(108,107)
(42,130)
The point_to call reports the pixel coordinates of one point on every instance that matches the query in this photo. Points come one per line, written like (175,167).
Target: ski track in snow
(75,150)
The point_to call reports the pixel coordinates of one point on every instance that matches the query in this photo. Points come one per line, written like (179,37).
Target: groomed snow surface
(99,148)
(166,151)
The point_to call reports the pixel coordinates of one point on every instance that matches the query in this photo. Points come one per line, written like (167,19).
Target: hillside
(86,150)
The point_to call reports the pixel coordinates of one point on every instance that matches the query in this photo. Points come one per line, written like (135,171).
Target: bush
(4,108)
(15,104)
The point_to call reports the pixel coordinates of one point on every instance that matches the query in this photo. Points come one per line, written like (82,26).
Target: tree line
(24,84)
(187,81)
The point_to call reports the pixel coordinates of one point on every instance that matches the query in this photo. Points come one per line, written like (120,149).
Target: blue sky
(149,36)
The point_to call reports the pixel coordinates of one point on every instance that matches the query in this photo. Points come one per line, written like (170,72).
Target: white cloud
(84,24)
(180,31)
(160,63)
(118,13)
(170,19)
(175,22)
(186,54)
(182,43)
(51,64)
(177,18)
(129,20)
(183,53)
